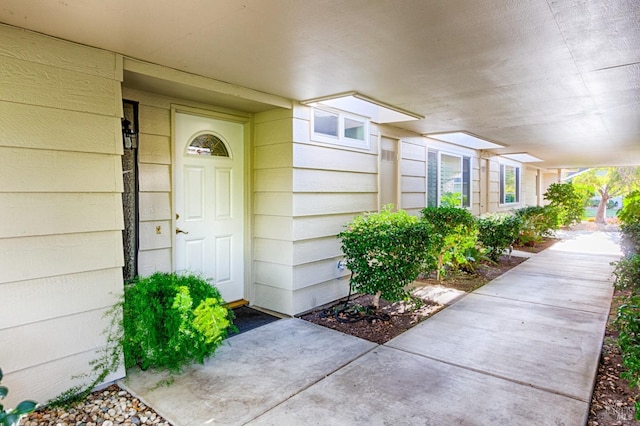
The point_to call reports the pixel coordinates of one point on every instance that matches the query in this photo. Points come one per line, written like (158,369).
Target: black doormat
(248,318)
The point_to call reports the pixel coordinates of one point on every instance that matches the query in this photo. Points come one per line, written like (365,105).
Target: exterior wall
(547,178)
(305,192)
(60,209)
(413,175)
(530,187)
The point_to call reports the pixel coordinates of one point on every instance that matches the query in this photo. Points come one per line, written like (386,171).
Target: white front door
(209,201)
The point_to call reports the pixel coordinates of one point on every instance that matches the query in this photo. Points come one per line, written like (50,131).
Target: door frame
(237,117)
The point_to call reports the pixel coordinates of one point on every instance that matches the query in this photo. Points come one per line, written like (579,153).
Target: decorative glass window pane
(208,145)
(354,129)
(325,123)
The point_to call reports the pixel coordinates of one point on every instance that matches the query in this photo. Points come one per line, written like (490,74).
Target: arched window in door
(209,145)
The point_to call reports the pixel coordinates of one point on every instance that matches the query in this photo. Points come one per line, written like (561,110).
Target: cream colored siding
(304,194)
(548,178)
(494,185)
(60,209)
(413,176)
(529,182)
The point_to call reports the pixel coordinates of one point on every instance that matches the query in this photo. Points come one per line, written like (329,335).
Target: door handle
(180,231)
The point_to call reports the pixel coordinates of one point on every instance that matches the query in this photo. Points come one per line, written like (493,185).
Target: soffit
(559,79)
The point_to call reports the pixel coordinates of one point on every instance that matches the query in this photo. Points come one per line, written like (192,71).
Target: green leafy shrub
(454,233)
(569,201)
(629,216)
(631,234)
(627,273)
(171,320)
(384,252)
(497,232)
(630,212)
(538,222)
(628,325)
(12,416)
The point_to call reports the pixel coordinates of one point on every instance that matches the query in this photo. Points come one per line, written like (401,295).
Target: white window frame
(341,139)
(518,184)
(462,157)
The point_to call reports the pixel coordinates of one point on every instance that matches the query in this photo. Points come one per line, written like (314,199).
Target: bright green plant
(454,232)
(630,212)
(538,222)
(384,252)
(451,199)
(171,320)
(12,416)
(497,232)
(628,325)
(569,200)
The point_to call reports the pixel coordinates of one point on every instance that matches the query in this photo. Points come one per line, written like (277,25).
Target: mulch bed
(398,317)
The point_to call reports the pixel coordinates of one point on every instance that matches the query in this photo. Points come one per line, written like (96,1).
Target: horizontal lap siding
(60,208)
(304,194)
(272,211)
(331,184)
(413,182)
(529,183)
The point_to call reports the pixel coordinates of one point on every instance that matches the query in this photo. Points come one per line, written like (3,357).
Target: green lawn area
(591,212)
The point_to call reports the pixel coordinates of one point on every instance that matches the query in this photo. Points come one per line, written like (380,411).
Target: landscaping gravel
(107,407)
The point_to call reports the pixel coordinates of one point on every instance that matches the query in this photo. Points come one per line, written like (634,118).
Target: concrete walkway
(522,350)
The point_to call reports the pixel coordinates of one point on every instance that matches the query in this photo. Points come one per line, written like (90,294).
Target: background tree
(609,182)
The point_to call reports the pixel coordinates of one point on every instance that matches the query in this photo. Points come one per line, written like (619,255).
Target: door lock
(180,231)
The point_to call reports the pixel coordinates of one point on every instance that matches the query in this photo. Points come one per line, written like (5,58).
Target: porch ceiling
(558,79)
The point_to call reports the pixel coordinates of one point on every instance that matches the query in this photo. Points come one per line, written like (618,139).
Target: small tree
(385,252)
(455,233)
(570,201)
(609,182)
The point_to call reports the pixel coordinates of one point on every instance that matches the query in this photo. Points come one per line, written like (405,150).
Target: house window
(509,184)
(448,180)
(340,128)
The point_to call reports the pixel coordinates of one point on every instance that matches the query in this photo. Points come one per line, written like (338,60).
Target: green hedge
(385,251)
(498,232)
(455,234)
(538,222)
